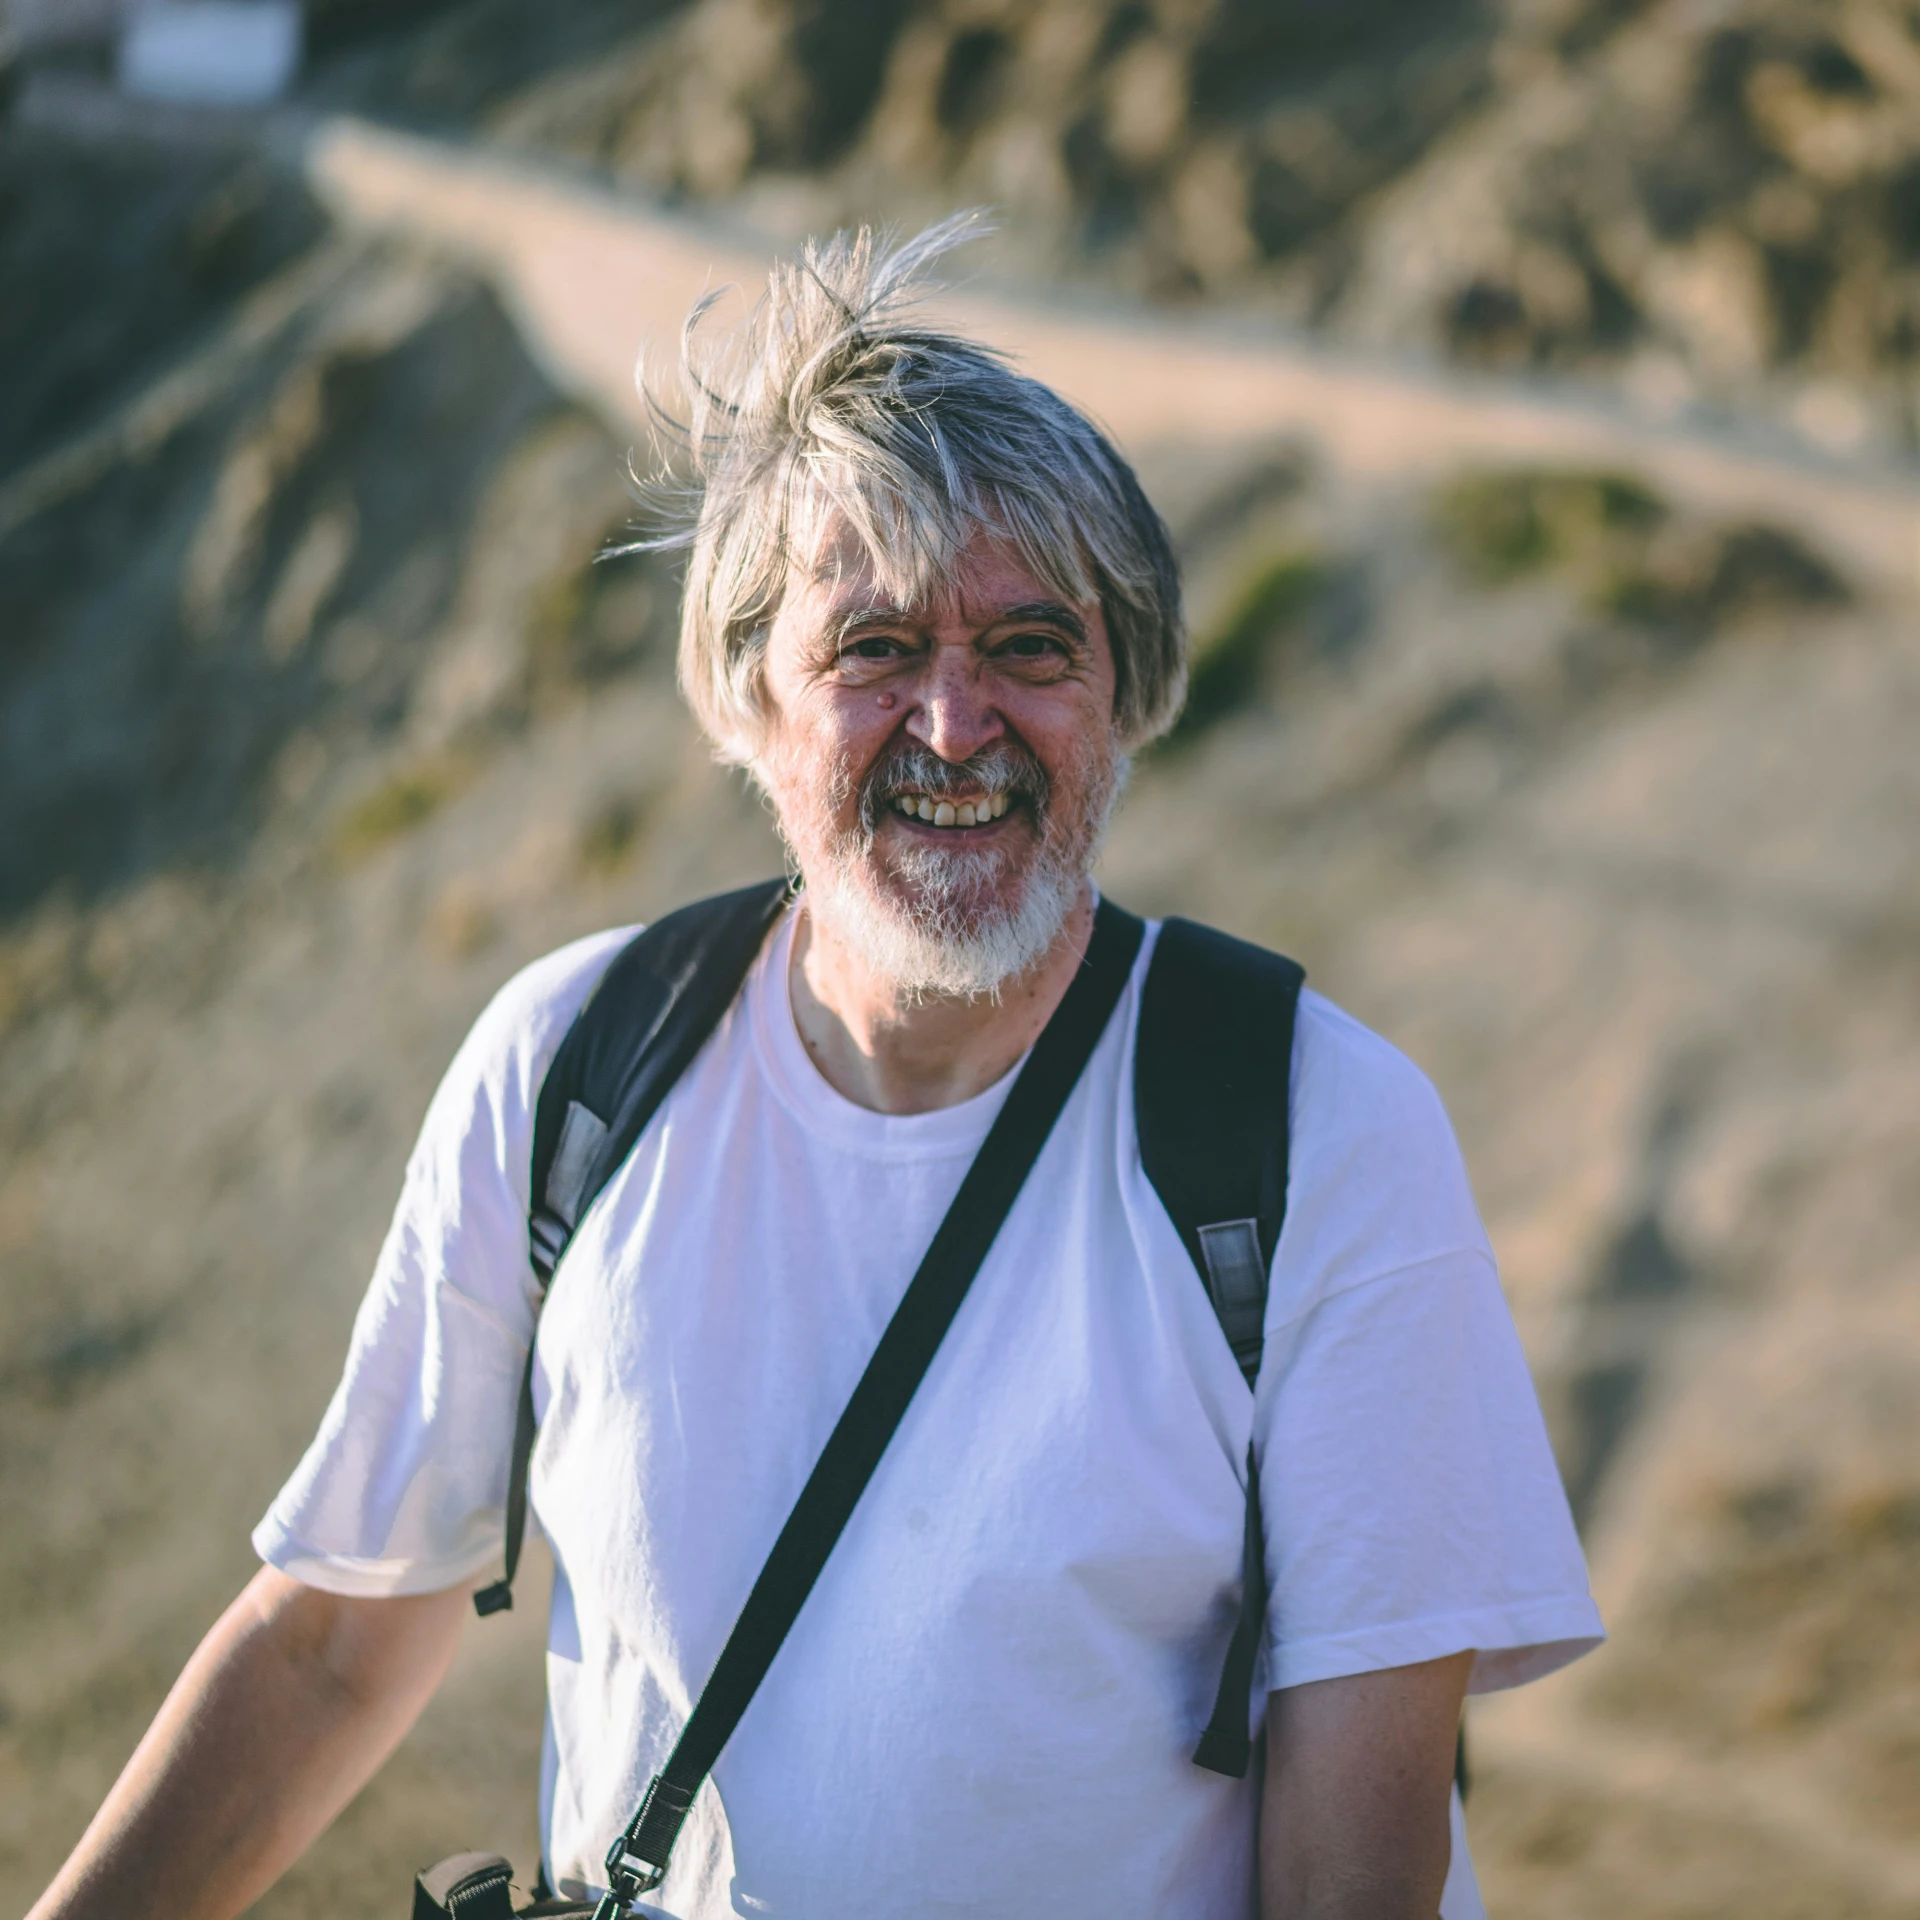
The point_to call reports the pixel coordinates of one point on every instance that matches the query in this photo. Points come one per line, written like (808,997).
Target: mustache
(1007,766)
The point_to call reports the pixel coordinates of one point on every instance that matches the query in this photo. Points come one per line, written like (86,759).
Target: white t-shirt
(989,1704)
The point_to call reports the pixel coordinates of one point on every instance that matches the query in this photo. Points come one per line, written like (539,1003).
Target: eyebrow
(1051,613)
(1043,613)
(853,620)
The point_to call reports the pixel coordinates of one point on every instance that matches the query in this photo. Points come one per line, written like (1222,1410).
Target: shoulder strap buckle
(1237,1280)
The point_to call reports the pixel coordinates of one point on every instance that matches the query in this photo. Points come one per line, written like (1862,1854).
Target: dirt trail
(592,276)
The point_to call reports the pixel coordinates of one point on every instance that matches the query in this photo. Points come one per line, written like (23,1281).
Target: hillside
(1718,205)
(319,719)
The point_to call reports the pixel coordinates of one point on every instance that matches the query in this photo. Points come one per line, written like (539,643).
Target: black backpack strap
(638,1033)
(1213,1064)
(638,1858)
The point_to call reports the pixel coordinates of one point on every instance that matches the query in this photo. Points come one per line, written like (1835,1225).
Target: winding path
(592,275)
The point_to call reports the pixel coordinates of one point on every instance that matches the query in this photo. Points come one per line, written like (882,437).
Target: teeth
(946,813)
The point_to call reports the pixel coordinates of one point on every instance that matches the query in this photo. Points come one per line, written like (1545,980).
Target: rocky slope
(319,718)
(1719,203)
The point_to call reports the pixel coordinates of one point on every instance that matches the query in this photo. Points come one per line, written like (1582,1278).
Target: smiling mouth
(949,813)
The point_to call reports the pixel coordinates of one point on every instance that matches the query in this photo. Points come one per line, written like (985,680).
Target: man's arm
(281,1716)
(1353,1823)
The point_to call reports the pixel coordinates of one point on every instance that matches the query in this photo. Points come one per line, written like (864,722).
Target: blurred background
(1534,389)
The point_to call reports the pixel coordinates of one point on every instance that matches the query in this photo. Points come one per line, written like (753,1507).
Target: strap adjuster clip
(637,1860)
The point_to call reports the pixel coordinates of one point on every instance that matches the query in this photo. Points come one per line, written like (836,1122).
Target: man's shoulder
(521,1028)
(1342,1065)
(559,983)
(1375,1164)
(1347,1078)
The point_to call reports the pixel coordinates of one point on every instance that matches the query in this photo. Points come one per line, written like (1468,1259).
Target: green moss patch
(398,806)
(610,836)
(1630,556)
(1229,660)
(1503,525)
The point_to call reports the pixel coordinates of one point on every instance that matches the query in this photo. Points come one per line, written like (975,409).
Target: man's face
(943,772)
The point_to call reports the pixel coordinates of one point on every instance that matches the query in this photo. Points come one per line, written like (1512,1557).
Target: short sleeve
(1411,1503)
(404,1487)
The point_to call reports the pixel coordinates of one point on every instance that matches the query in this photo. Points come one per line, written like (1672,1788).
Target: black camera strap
(638,1859)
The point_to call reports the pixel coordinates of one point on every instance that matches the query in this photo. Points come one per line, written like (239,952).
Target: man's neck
(894,1053)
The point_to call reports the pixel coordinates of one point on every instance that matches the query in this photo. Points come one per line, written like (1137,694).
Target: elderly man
(930,609)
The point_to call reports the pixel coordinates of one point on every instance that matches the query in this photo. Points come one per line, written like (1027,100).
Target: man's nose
(956,716)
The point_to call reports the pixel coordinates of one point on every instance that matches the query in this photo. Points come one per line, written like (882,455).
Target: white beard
(939,931)
(933,947)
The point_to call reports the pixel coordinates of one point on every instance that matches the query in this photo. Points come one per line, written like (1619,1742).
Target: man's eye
(1033,646)
(875,647)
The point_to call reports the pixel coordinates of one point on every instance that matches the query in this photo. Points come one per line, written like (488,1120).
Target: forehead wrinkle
(885,585)
(829,566)
(847,530)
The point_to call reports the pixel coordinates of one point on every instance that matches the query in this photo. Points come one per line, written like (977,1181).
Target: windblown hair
(834,399)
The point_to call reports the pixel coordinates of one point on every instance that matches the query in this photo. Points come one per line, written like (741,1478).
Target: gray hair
(834,399)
